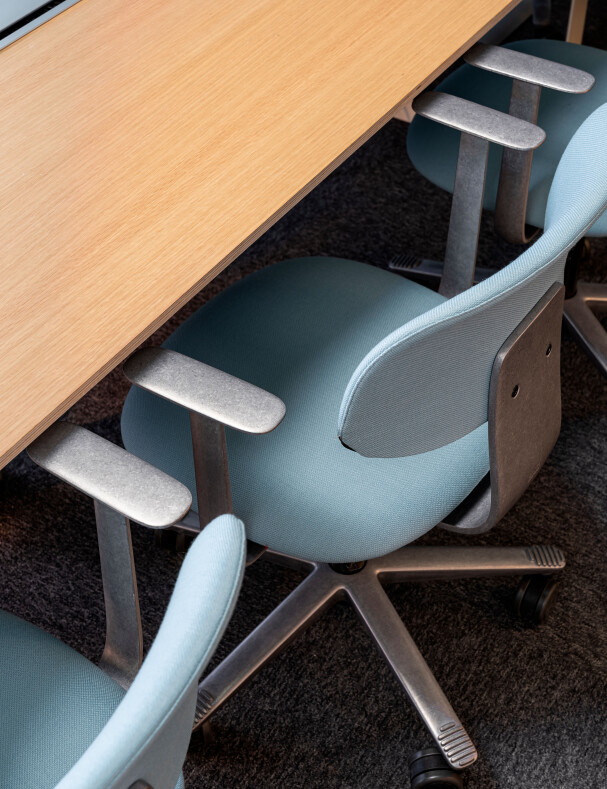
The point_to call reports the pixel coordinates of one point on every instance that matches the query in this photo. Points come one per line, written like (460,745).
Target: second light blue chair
(404,410)
(560,110)
(433,148)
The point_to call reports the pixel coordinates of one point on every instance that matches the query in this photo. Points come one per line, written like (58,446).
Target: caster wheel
(428,768)
(535,597)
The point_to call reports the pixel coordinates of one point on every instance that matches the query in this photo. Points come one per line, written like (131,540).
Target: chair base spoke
(411,670)
(297,611)
(428,272)
(580,316)
(361,584)
(420,562)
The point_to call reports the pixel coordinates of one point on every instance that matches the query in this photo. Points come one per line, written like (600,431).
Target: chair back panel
(427,384)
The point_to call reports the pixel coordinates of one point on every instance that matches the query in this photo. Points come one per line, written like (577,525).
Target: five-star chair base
(361,584)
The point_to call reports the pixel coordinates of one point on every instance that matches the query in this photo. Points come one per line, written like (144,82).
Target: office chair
(70,724)
(398,419)
(511,78)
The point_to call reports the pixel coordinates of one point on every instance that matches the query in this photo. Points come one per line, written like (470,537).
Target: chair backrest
(427,384)
(146,738)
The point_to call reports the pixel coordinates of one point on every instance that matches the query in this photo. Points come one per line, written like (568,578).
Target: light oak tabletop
(145,144)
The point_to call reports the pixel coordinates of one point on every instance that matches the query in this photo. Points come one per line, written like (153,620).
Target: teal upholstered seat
(433,147)
(54,703)
(67,724)
(299,330)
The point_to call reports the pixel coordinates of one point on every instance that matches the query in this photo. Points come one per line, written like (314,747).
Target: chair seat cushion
(433,148)
(54,702)
(299,329)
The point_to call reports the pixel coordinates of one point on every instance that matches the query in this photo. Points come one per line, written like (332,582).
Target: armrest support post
(479,126)
(577,21)
(465,219)
(123,651)
(515,173)
(211,468)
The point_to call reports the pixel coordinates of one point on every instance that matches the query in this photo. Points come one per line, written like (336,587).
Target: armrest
(529,68)
(111,475)
(480,121)
(205,390)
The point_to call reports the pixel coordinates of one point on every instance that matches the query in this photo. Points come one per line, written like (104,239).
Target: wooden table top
(146,144)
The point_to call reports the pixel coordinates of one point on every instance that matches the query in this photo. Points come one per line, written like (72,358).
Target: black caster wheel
(535,597)
(428,768)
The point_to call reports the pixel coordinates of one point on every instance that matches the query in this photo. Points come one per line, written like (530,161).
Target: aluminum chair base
(581,317)
(361,584)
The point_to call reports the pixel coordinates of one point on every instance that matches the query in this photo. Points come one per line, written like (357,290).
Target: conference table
(145,144)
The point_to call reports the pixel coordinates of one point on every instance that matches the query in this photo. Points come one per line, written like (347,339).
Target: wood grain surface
(144,144)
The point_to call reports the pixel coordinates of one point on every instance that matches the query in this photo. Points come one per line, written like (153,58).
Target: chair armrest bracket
(530,74)
(124,487)
(214,399)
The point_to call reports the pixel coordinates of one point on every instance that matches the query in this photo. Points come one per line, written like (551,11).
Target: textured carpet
(327,712)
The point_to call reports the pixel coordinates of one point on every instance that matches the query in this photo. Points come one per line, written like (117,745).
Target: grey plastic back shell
(524,415)
(525,401)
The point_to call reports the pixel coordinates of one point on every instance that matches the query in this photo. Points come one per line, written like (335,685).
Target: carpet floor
(327,712)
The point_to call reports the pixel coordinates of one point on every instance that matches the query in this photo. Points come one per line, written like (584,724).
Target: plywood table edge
(87,385)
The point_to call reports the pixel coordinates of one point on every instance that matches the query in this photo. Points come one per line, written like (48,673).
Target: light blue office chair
(404,410)
(69,724)
(433,149)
